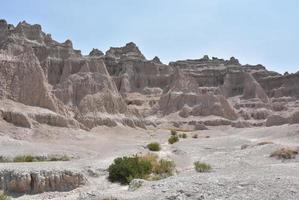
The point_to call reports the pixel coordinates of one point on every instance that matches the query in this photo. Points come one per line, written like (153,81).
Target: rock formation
(38,71)
(123,87)
(39,181)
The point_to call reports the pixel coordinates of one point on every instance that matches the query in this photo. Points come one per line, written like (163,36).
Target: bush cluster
(125,169)
(149,167)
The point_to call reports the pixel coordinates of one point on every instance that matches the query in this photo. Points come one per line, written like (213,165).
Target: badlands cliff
(56,100)
(123,87)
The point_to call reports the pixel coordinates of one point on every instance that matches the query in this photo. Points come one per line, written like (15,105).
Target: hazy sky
(254,31)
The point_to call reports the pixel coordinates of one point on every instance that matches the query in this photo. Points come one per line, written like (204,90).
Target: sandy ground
(237,174)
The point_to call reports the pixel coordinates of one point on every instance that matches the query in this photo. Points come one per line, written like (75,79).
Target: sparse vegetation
(154,146)
(125,169)
(59,158)
(183,135)
(165,168)
(173,139)
(284,153)
(161,168)
(202,167)
(31,158)
(147,166)
(26,158)
(195,136)
(4,197)
(173,132)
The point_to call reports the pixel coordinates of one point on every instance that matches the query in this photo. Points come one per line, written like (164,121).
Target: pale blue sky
(254,31)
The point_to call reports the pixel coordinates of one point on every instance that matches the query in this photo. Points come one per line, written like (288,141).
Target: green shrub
(195,136)
(59,158)
(173,139)
(4,197)
(173,132)
(147,166)
(202,167)
(183,135)
(24,158)
(154,146)
(125,169)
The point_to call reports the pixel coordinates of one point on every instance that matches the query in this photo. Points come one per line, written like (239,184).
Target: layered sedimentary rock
(38,71)
(122,86)
(39,181)
(200,87)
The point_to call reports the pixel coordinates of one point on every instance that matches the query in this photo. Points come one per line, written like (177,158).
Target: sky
(254,31)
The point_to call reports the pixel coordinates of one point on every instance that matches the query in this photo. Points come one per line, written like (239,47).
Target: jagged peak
(96,53)
(68,43)
(233,61)
(157,60)
(24,24)
(131,45)
(129,50)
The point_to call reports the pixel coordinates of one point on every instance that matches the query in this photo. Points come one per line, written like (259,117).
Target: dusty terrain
(237,173)
(93,108)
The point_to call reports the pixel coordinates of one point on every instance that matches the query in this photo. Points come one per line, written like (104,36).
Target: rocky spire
(157,60)
(96,53)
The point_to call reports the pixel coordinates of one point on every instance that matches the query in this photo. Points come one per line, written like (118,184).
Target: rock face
(38,71)
(201,87)
(122,87)
(40,181)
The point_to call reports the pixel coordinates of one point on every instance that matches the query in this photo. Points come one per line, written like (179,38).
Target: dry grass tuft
(160,168)
(202,167)
(285,153)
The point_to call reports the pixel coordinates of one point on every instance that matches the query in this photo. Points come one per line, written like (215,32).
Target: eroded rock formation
(39,181)
(123,87)
(38,71)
